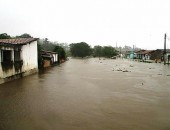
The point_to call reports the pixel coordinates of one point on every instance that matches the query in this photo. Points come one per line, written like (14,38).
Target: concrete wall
(29,56)
(9,72)
(30,62)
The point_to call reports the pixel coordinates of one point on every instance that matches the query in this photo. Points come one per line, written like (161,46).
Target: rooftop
(145,52)
(17,41)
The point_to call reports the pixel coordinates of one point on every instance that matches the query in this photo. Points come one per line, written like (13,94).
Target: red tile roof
(17,40)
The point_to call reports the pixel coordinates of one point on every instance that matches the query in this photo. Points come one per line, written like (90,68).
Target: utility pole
(165,49)
(133,52)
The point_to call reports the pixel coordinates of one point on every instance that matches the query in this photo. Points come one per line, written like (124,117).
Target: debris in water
(159,74)
(119,69)
(168,75)
(125,71)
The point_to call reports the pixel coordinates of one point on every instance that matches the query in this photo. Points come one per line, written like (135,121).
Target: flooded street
(89,94)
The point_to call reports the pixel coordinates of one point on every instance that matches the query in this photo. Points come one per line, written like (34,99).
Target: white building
(18,57)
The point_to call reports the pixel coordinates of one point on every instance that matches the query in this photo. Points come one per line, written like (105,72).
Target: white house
(18,57)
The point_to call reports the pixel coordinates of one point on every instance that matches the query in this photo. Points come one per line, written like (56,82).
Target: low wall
(17,76)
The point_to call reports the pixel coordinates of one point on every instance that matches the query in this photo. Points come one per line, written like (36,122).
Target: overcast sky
(98,22)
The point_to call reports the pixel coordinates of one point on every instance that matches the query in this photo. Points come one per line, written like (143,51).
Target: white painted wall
(29,56)
(55,57)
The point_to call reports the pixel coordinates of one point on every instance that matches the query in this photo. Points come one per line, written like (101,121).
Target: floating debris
(159,74)
(126,71)
(119,69)
(131,66)
(168,75)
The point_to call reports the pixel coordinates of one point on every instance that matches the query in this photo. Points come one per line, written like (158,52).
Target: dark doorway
(6,55)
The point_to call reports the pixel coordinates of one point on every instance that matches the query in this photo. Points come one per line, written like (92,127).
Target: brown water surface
(89,94)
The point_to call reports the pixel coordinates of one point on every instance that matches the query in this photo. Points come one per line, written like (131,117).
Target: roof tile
(17,40)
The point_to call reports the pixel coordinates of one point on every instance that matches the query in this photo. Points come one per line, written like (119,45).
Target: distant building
(49,58)
(18,57)
(130,55)
(159,55)
(144,54)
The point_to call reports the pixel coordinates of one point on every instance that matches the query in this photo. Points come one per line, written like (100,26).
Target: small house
(18,57)
(144,54)
(130,55)
(158,55)
(49,58)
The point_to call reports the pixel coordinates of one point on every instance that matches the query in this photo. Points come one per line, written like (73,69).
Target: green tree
(25,35)
(5,36)
(47,45)
(80,49)
(97,51)
(61,52)
(109,51)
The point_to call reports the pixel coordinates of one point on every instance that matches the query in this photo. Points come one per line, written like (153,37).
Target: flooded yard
(89,94)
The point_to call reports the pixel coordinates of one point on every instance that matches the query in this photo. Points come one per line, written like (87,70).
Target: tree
(25,35)
(80,49)
(97,51)
(61,52)
(47,45)
(109,51)
(5,36)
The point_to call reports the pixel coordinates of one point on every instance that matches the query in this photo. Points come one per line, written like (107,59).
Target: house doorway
(6,56)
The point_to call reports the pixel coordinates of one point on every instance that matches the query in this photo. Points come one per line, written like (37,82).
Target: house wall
(29,56)
(156,55)
(166,56)
(7,72)
(1,72)
(131,56)
(55,57)
(0,57)
(47,63)
(30,62)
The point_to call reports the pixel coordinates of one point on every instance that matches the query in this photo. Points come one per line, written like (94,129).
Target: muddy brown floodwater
(89,94)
